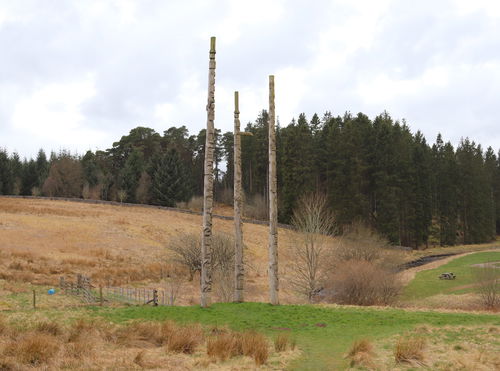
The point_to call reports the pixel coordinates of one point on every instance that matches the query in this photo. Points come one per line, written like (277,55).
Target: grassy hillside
(427,283)
(41,240)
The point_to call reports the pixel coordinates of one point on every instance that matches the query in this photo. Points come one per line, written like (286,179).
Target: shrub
(409,350)
(360,242)
(187,250)
(360,282)
(488,280)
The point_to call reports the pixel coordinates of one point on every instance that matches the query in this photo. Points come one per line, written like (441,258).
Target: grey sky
(78,74)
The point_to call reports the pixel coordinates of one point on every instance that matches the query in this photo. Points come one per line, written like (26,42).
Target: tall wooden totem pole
(208,186)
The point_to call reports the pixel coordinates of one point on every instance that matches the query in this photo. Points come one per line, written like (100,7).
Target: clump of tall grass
(33,349)
(255,345)
(361,353)
(185,339)
(409,350)
(282,342)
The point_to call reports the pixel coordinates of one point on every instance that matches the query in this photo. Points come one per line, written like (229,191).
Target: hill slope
(41,240)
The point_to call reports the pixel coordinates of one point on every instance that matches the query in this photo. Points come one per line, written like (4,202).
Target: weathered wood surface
(238,200)
(273,202)
(208,186)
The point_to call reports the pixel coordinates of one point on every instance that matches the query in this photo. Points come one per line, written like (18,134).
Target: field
(42,240)
(323,334)
(426,290)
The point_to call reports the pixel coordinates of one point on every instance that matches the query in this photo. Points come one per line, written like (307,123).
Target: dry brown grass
(255,345)
(282,342)
(450,348)
(113,245)
(361,353)
(50,328)
(410,350)
(33,349)
(185,339)
(96,344)
(224,345)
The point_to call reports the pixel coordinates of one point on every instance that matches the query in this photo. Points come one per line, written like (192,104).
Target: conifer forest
(414,192)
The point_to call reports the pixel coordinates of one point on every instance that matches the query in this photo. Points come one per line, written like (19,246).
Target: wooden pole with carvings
(238,233)
(273,204)
(208,186)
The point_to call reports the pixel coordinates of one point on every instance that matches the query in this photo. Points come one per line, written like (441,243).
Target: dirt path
(495,265)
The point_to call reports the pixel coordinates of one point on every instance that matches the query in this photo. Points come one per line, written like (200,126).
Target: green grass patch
(324,334)
(426,283)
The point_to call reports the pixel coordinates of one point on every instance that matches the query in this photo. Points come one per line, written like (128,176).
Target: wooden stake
(273,204)
(101,299)
(34,299)
(208,186)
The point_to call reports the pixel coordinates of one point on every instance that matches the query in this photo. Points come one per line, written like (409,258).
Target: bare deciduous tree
(315,223)
(187,247)
(488,280)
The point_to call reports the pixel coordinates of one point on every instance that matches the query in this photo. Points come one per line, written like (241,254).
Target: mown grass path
(323,333)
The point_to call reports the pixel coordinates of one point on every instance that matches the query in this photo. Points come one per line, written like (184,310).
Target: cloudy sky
(78,74)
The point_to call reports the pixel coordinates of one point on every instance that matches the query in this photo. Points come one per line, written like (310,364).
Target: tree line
(372,171)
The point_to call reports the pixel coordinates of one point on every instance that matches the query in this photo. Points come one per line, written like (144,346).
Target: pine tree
(169,180)
(490,168)
(29,177)
(131,173)
(6,177)
(446,191)
(42,168)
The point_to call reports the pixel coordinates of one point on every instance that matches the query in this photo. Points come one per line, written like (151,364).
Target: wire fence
(91,294)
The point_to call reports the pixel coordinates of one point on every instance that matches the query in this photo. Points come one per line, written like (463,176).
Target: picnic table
(447,276)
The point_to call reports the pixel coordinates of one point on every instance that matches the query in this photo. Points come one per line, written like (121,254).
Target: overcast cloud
(78,75)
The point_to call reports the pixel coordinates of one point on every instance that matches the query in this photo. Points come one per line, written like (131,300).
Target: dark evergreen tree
(42,168)
(6,176)
(170,181)
(131,173)
(29,177)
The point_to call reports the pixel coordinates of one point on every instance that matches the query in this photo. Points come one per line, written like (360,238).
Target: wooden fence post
(100,296)
(34,299)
